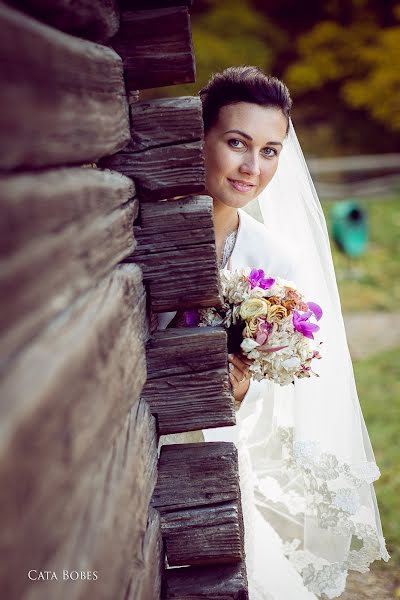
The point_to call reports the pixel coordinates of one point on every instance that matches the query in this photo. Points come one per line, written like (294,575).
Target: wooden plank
(173,239)
(206,535)
(196,475)
(173,225)
(162,173)
(186,351)
(198,497)
(187,403)
(62,98)
(97,522)
(165,121)
(156,47)
(222,582)
(97,20)
(65,397)
(61,232)
(185,279)
(180,279)
(145,582)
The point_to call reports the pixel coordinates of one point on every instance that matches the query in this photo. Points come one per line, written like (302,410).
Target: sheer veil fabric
(306,462)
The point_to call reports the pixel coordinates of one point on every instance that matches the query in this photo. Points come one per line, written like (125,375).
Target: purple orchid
(192,318)
(316,309)
(257,279)
(303,325)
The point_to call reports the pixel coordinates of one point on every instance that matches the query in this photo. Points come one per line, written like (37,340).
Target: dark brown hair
(242,84)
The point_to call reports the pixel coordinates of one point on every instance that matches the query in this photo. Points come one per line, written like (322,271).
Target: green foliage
(379,90)
(231,34)
(378,287)
(362,59)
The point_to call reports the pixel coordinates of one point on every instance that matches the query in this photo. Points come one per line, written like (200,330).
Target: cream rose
(254,307)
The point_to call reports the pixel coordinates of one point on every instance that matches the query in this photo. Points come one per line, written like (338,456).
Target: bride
(305,461)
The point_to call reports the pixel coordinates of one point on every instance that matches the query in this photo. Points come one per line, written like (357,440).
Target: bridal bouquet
(269,319)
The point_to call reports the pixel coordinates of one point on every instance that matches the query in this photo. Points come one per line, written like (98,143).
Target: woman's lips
(241,186)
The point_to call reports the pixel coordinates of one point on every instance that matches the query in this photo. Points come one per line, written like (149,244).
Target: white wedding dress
(309,515)
(309,510)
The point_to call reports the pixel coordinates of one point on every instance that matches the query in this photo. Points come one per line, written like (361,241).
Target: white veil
(315,487)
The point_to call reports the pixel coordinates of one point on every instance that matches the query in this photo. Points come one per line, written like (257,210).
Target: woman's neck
(226,220)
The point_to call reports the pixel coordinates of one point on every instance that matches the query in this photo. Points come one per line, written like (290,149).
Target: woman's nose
(251,165)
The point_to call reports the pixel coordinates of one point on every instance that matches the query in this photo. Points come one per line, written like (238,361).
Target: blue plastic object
(350,227)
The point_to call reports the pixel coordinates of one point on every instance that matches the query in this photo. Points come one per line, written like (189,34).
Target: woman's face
(242,152)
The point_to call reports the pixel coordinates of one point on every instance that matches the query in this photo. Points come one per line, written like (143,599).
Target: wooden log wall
(88,257)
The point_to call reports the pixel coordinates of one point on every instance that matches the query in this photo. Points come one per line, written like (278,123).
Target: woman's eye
(270,152)
(234,143)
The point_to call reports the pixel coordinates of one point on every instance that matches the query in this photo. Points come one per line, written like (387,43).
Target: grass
(378,383)
(377,285)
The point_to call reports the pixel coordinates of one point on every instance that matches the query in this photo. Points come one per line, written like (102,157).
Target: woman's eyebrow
(248,137)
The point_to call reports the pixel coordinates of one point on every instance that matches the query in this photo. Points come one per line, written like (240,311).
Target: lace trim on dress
(332,496)
(228,248)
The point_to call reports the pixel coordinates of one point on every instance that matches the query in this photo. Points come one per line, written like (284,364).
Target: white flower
(248,344)
(291,363)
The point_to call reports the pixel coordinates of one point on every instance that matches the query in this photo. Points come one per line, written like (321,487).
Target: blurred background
(341,62)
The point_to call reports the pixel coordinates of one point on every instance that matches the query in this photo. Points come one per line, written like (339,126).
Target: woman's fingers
(239,367)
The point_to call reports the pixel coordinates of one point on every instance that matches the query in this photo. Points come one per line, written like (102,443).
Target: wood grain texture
(64,398)
(97,20)
(165,121)
(183,279)
(198,497)
(196,475)
(174,225)
(145,581)
(222,582)
(186,403)
(156,47)
(206,535)
(63,99)
(97,522)
(186,351)
(61,231)
(162,173)
(176,240)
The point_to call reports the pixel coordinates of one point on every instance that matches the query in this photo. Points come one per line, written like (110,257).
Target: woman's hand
(239,375)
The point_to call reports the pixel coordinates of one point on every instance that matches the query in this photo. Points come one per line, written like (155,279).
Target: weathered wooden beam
(186,351)
(173,226)
(62,98)
(162,173)
(145,581)
(61,231)
(196,475)
(156,47)
(221,582)
(165,121)
(186,278)
(99,515)
(188,403)
(198,497)
(97,20)
(205,535)
(64,398)
(173,238)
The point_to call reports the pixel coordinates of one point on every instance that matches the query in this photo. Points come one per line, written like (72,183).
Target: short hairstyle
(242,84)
